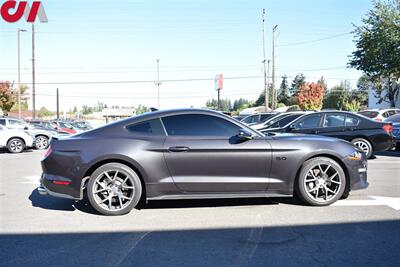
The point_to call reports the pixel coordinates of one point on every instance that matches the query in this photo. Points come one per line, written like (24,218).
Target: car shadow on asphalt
(389,153)
(54,203)
(366,243)
(5,151)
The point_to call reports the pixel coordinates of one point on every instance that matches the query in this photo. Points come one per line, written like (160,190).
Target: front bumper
(357,171)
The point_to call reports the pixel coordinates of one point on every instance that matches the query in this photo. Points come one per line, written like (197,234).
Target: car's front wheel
(41,142)
(321,181)
(15,145)
(114,189)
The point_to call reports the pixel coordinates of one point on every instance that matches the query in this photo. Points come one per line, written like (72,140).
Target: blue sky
(119,41)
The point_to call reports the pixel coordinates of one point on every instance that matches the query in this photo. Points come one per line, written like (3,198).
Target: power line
(150,81)
(316,40)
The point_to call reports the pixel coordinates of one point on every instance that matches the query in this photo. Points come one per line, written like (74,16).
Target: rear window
(369,114)
(151,127)
(351,121)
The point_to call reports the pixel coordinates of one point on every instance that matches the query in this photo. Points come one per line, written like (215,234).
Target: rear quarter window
(151,127)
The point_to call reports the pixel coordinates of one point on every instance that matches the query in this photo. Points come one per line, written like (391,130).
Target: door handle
(316,132)
(178,149)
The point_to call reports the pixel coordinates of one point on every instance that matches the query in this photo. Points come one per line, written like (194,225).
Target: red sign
(219,82)
(12,11)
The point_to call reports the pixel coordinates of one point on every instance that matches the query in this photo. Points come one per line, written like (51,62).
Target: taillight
(61,182)
(47,152)
(388,128)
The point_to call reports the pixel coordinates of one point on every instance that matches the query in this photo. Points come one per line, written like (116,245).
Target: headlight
(356,155)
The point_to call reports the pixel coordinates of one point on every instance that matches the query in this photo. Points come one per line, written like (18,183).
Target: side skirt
(211,196)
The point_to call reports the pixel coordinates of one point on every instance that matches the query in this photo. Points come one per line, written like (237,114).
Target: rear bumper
(49,186)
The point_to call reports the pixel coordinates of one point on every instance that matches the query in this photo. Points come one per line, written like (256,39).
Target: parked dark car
(283,120)
(395,120)
(196,154)
(369,135)
(63,127)
(257,118)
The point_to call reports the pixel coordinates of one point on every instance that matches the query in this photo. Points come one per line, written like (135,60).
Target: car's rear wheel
(321,181)
(364,145)
(15,145)
(114,189)
(41,142)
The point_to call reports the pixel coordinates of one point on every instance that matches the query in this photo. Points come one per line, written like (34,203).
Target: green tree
(337,96)
(297,82)
(43,112)
(239,103)
(225,104)
(141,109)
(377,49)
(322,82)
(284,93)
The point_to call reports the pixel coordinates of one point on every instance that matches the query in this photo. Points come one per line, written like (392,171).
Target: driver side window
(199,125)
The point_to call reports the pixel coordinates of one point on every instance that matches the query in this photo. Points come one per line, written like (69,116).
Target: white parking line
(393,202)
(32,180)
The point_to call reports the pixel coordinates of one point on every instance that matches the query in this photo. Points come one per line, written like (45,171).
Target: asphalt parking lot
(45,231)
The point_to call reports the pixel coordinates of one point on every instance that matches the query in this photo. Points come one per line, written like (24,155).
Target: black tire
(133,181)
(15,145)
(304,192)
(364,145)
(397,147)
(42,142)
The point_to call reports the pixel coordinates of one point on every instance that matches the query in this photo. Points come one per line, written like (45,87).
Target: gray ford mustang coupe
(193,154)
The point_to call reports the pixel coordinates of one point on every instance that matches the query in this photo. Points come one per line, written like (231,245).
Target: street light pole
(158,82)
(273,67)
(264,62)
(33,74)
(19,71)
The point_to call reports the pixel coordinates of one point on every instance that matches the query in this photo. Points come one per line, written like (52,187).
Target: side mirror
(292,127)
(26,128)
(244,135)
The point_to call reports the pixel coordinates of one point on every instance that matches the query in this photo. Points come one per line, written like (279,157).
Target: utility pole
(33,73)
(19,70)
(58,105)
(268,68)
(273,67)
(158,82)
(264,62)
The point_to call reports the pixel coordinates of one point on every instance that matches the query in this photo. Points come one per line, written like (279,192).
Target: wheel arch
(16,137)
(126,162)
(326,155)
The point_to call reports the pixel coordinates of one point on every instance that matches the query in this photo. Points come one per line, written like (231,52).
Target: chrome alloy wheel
(41,142)
(113,190)
(363,146)
(322,182)
(16,146)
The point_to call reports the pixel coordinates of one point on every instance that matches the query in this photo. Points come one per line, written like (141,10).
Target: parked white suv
(15,141)
(42,135)
(379,114)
